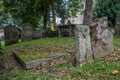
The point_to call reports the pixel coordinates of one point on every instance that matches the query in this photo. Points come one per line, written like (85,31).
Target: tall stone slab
(27,32)
(83,44)
(102,38)
(11,34)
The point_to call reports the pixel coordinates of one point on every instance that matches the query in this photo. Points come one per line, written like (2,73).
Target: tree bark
(46,17)
(88,12)
(45,21)
(54,15)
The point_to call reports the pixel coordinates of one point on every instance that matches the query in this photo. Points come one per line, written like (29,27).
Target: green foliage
(3,58)
(109,8)
(69,8)
(31,11)
(22,10)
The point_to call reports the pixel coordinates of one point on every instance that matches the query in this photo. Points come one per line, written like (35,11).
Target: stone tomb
(27,32)
(34,63)
(11,34)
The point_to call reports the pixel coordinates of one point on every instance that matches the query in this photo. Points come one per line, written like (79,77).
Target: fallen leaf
(115,72)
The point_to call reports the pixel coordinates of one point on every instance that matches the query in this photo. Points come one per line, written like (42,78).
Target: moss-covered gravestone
(83,44)
(11,34)
(27,32)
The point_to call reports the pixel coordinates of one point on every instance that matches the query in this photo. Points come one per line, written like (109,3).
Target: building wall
(76,20)
(79,17)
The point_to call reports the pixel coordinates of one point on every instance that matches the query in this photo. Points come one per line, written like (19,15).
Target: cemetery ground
(62,68)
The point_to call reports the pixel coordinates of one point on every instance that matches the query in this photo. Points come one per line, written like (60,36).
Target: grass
(44,48)
(117,43)
(44,42)
(100,69)
(39,48)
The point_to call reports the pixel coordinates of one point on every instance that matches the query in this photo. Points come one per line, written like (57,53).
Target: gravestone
(11,34)
(36,34)
(117,26)
(27,32)
(83,44)
(102,38)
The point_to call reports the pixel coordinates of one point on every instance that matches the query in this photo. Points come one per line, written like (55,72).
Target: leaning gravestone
(117,26)
(27,32)
(83,44)
(102,38)
(11,34)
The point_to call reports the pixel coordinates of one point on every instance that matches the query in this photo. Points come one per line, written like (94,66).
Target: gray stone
(36,34)
(11,34)
(102,38)
(27,32)
(83,44)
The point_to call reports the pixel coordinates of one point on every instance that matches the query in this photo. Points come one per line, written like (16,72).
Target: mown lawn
(107,68)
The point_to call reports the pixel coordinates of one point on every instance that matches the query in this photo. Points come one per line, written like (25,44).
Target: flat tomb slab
(29,60)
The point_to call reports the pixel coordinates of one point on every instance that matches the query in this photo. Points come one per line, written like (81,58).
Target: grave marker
(83,44)
(27,32)
(11,34)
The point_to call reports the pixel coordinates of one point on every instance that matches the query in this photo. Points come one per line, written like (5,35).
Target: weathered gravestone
(102,38)
(27,32)
(36,34)
(83,44)
(95,42)
(11,34)
(117,26)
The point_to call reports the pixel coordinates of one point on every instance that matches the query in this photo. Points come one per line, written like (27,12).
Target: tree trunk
(88,12)
(54,15)
(45,21)
(46,17)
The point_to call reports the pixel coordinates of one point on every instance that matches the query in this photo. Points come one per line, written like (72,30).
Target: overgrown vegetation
(106,68)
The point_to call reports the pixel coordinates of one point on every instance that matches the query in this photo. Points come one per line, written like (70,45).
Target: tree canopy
(109,8)
(31,11)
